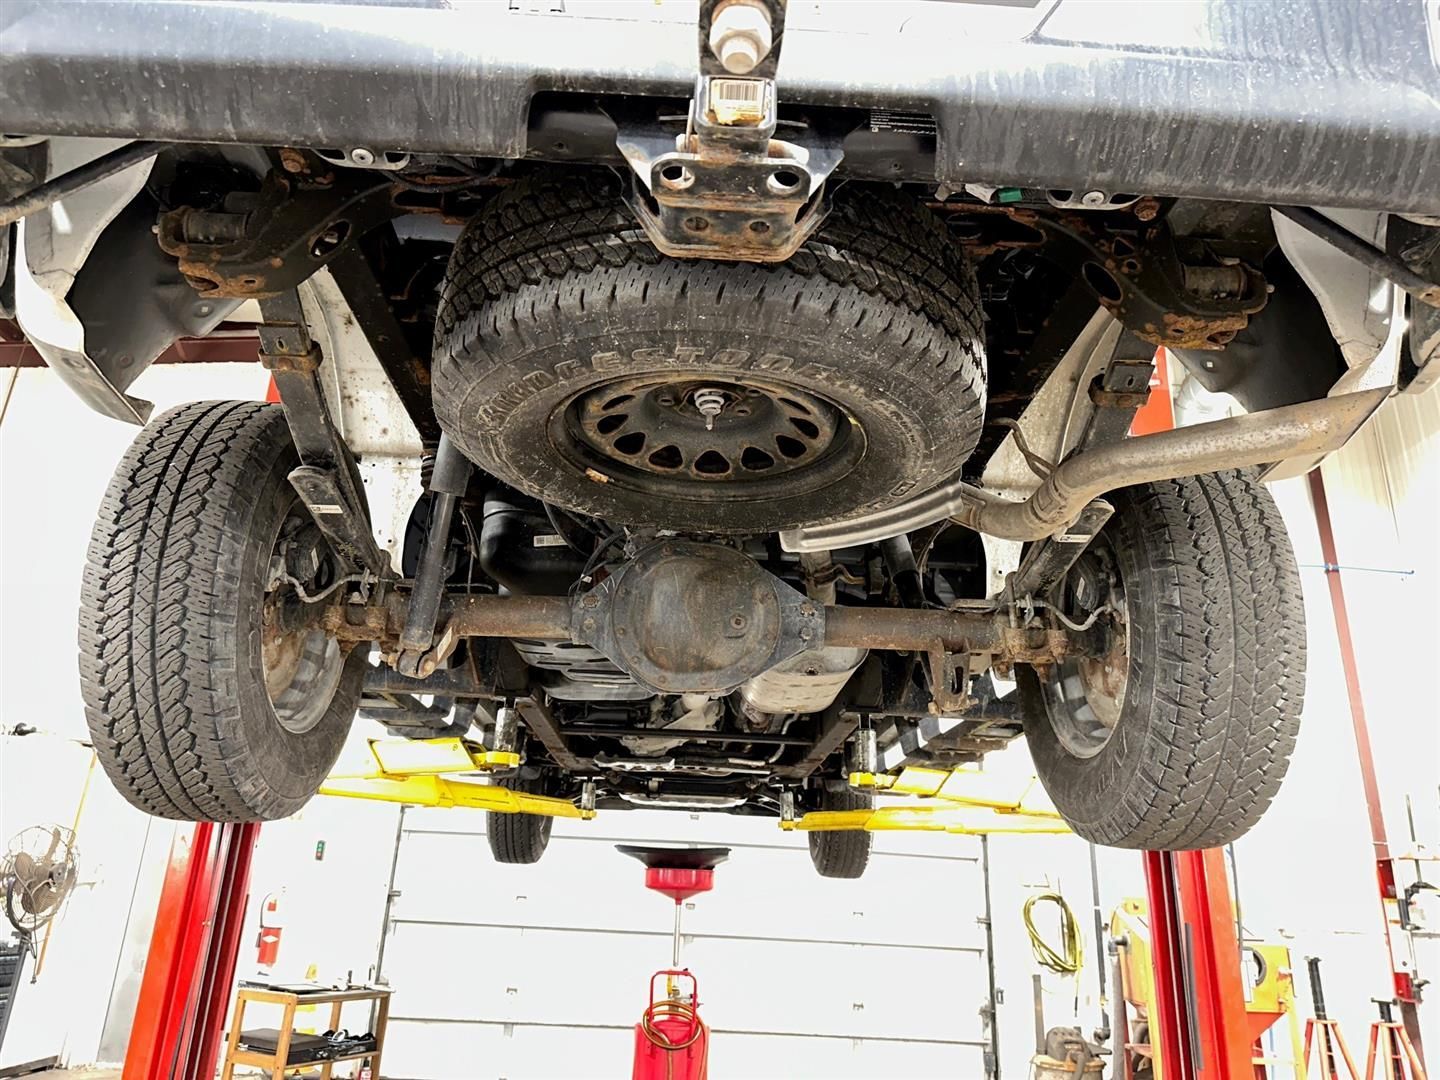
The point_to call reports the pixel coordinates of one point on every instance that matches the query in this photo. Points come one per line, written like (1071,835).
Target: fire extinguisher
(271,928)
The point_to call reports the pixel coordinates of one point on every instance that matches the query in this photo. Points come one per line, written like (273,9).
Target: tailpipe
(1309,428)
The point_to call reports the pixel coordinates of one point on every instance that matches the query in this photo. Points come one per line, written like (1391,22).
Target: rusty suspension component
(548,618)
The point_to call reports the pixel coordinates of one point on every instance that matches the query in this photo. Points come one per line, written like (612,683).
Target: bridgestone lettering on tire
(171,609)
(553,291)
(1216,678)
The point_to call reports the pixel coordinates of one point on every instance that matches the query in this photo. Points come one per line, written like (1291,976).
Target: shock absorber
(448,481)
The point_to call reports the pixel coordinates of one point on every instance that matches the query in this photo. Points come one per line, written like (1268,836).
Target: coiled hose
(1067,958)
(670,1009)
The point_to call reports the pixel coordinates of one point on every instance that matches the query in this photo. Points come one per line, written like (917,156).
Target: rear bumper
(1318,102)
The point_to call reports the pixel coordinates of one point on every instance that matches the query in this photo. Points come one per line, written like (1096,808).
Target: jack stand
(1390,1047)
(671,1041)
(1330,1048)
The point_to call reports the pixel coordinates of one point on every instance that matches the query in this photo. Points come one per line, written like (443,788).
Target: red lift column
(190,969)
(1202,1031)
(1407,992)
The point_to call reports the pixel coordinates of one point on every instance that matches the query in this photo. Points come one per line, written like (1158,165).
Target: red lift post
(1201,1030)
(190,969)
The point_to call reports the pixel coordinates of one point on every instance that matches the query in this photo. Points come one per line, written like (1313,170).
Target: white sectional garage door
(529,972)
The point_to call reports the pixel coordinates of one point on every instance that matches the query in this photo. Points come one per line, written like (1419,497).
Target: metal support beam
(983,628)
(356,271)
(1199,1028)
(619,732)
(835,727)
(185,992)
(1407,993)
(541,723)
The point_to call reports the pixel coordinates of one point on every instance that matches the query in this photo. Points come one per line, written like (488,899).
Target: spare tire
(577,363)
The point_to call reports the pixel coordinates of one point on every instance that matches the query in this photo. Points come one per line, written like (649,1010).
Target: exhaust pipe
(1311,427)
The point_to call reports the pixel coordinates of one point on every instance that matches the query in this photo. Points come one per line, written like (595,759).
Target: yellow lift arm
(415,771)
(963,801)
(441,772)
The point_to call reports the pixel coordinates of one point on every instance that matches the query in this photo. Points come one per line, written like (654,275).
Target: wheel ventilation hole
(613,422)
(667,457)
(712,463)
(791,448)
(756,460)
(631,443)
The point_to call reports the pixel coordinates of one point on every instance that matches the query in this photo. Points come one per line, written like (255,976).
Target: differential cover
(683,617)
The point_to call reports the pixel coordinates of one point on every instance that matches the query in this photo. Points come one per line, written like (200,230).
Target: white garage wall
(527,972)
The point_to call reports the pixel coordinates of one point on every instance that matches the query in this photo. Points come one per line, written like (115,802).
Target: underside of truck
(712,428)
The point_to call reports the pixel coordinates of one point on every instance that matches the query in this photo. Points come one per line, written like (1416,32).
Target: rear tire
(519,839)
(1188,746)
(173,646)
(844,853)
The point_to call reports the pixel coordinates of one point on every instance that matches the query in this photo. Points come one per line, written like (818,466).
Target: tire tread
(1220,574)
(158,663)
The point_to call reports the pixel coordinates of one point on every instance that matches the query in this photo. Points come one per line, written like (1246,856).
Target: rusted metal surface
(724,187)
(835,727)
(543,618)
(688,617)
(914,629)
(985,229)
(1144,281)
(759,210)
(261,244)
(1147,208)
(549,618)
(1132,267)
(541,723)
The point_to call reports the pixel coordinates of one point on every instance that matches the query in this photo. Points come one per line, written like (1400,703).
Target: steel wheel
(1085,694)
(302,667)
(737,437)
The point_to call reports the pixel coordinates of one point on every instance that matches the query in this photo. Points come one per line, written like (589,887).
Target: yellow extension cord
(1065,960)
